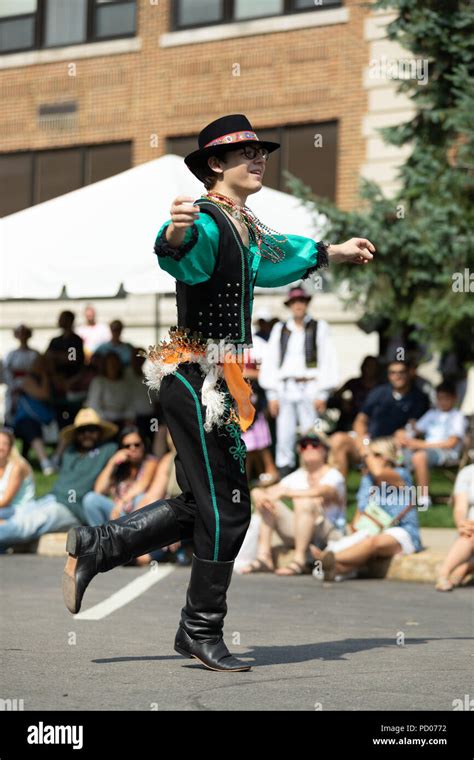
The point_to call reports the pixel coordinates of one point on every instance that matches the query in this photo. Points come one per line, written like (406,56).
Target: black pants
(214,506)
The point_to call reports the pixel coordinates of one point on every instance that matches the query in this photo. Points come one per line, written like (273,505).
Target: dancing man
(217,250)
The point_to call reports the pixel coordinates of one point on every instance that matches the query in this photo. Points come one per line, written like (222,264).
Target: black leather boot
(97,549)
(202,618)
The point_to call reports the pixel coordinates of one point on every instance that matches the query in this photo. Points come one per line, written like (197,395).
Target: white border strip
(285,23)
(70,52)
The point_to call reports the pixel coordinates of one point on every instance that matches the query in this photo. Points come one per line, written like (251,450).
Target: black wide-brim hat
(222,134)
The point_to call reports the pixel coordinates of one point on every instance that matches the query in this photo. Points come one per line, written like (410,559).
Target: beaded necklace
(267,250)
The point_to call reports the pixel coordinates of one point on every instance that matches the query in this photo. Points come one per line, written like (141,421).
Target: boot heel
(72,542)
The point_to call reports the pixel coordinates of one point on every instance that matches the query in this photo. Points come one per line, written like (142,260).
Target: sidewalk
(421,567)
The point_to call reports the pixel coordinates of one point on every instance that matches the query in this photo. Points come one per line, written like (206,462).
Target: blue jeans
(97,507)
(31,520)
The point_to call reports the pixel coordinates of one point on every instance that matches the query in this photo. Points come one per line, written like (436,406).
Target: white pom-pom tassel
(154,373)
(213,400)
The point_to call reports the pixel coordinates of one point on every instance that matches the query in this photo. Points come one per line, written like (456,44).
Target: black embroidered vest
(311,351)
(220,307)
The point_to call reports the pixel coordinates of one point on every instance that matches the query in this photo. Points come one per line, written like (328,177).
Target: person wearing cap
(318,492)
(299,370)
(217,251)
(89,448)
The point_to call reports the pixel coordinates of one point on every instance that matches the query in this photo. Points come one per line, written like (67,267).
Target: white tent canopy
(95,239)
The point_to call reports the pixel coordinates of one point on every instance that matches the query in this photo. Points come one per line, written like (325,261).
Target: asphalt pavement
(357,645)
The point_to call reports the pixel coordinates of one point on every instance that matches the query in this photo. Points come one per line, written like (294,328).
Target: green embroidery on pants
(206,460)
(239,450)
(232,427)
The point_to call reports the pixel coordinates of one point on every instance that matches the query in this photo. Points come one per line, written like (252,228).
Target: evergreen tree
(424,235)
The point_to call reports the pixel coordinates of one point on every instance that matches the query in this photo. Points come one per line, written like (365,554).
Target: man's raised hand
(353,251)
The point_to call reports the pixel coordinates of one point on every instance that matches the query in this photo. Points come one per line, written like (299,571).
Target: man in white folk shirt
(299,370)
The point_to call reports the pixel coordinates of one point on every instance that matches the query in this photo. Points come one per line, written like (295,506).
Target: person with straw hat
(217,250)
(88,449)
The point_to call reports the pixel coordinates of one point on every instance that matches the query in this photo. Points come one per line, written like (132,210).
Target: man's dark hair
(207,175)
(446,387)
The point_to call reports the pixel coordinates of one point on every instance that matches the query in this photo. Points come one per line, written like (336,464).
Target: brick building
(91,88)
(171,67)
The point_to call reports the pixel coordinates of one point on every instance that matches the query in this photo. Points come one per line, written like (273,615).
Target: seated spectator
(123,350)
(123,481)
(443,432)
(381,475)
(17,485)
(15,366)
(387,408)
(33,410)
(109,392)
(318,492)
(350,398)
(85,457)
(459,561)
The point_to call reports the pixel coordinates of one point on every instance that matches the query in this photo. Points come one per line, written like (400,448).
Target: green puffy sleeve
(194,260)
(302,257)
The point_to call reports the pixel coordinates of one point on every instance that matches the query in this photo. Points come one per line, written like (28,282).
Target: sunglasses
(132,445)
(311,445)
(88,429)
(250,152)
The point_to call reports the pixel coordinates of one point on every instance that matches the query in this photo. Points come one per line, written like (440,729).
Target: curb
(421,567)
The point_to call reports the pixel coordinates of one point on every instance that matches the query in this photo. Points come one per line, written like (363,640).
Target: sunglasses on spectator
(310,444)
(88,429)
(132,445)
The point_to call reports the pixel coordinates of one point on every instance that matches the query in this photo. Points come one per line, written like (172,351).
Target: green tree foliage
(424,235)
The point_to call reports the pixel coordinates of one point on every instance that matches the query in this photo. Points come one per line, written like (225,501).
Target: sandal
(295,567)
(444,584)
(257,566)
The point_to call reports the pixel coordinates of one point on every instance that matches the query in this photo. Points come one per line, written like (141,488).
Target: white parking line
(126,594)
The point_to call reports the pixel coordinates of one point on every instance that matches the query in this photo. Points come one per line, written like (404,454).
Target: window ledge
(285,23)
(70,52)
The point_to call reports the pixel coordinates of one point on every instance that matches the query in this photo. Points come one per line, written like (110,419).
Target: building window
(114,19)
(17,24)
(309,151)
(190,13)
(65,23)
(35,177)
(250,9)
(38,24)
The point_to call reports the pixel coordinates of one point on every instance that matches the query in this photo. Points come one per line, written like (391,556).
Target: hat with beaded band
(220,135)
